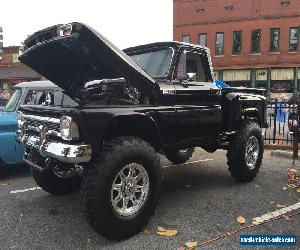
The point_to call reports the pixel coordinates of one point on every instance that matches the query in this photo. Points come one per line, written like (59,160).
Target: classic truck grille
(52,125)
(48,125)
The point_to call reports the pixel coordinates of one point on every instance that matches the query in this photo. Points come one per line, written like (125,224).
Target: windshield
(13,102)
(48,98)
(155,63)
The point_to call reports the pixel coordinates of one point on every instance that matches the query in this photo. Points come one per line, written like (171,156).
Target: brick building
(253,43)
(12,71)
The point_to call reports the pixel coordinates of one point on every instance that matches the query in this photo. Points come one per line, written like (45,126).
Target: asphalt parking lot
(199,199)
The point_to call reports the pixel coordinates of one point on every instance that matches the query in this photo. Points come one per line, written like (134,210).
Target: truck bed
(244,90)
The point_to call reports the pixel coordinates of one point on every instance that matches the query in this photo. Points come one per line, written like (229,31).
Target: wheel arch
(251,113)
(138,125)
(239,107)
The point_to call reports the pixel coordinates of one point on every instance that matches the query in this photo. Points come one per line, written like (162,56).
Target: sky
(124,22)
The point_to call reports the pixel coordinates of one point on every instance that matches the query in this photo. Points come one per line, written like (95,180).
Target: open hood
(73,54)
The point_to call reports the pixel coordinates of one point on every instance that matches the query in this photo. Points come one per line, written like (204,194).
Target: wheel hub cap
(130,189)
(252,152)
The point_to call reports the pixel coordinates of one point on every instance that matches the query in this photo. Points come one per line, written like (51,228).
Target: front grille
(51,125)
(48,125)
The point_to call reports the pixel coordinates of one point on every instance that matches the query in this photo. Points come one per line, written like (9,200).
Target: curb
(283,153)
(278,147)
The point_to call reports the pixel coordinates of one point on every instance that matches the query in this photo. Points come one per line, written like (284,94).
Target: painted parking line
(277,213)
(25,190)
(186,163)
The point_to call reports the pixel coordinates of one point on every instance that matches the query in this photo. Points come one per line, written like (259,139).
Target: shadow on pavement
(11,172)
(200,177)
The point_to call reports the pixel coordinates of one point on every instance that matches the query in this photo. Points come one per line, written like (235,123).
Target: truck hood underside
(84,55)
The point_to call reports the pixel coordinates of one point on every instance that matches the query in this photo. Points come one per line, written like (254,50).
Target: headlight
(68,128)
(65,30)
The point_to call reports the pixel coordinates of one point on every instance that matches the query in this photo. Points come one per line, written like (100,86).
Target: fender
(10,151)
(238,106)
(135,125)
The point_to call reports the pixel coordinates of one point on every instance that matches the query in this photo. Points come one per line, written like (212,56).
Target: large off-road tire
(245,152)
(120,188)
(210,148)
(179,156)
(52,184)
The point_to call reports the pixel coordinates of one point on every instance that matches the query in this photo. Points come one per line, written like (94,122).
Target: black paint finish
(171,112)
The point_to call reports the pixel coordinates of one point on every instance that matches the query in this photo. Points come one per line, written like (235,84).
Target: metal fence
(278,114)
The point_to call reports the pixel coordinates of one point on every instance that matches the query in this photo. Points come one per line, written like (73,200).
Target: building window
(15,58)
(274,40)
(229,7)
(203,39)
(285,3)
(185,38)
(199,11)
(255,41)
(219,43)
(237,42)
(294,39)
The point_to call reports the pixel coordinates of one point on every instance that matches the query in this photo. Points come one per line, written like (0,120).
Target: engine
(110,92)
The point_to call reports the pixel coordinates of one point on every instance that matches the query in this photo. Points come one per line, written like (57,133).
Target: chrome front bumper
(68,153)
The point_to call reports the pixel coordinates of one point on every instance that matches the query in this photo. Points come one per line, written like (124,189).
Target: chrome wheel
(252,152)
(130,189)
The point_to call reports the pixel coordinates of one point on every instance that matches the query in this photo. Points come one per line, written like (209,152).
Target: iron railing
(278,114)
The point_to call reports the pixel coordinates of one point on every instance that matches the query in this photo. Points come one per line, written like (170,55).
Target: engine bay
(110,92)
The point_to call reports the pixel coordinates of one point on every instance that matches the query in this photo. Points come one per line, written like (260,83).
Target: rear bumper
(67,153)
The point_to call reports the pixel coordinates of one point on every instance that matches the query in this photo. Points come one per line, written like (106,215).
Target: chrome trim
(48,132)
(171,61)
(67,153)
(36,129)
(252,152)
(130,189)
(53,132)
(41,118)
(210,64)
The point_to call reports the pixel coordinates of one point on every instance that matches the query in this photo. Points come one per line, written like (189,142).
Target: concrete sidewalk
(285,154)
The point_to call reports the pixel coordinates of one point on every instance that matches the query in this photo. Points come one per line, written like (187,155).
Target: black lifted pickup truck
(130,105)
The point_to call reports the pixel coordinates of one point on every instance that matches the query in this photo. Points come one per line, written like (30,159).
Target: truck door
(198,100)
(165,114)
